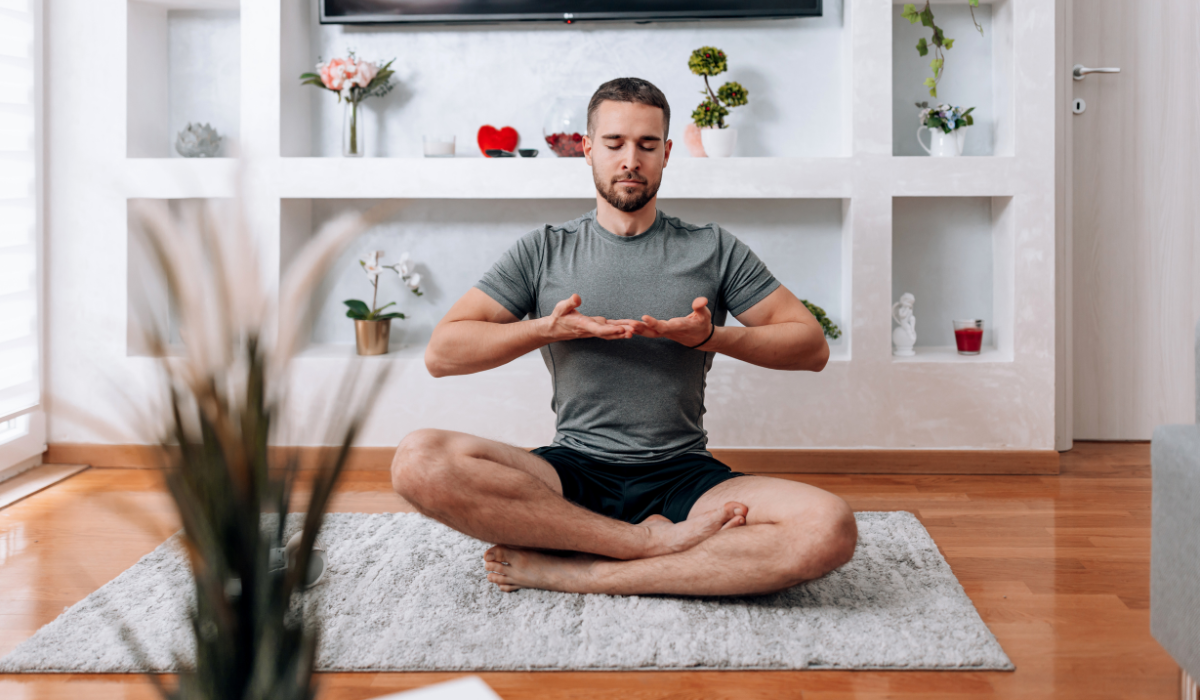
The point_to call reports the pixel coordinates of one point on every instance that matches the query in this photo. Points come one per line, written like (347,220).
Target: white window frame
(24,441)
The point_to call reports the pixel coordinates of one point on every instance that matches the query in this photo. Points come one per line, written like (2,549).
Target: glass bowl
(565,125)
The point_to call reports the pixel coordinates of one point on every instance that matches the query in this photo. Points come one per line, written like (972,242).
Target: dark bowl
(528,152)
(500,153)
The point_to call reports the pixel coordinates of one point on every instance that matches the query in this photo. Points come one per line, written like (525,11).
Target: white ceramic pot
(719,143)
(941,144)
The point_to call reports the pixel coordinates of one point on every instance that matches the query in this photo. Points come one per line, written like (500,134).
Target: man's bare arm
(780,333)
(478,333)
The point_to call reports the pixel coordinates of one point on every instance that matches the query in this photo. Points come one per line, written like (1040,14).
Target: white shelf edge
(569,178)
(949,355)
(178,178)
(346,351)
(195,4)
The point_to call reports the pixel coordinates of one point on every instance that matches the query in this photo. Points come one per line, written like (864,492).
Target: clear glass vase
(352,132)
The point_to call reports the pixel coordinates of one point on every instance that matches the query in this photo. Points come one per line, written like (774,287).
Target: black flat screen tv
(568,11)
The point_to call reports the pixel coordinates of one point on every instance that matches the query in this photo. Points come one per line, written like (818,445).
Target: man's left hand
(687,330)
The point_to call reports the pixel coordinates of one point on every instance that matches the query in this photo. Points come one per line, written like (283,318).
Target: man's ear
(666,152)
(587,148)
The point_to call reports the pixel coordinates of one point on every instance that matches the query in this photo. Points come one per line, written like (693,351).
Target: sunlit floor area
(1058,567)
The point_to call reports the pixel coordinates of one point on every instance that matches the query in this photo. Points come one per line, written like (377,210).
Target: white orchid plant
(372,265)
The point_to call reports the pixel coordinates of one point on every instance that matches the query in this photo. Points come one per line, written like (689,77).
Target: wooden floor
(1056,565)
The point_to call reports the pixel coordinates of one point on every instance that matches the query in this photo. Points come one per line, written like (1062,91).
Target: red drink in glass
(968,335)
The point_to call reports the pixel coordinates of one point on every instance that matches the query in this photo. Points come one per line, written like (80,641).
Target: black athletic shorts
(634,492)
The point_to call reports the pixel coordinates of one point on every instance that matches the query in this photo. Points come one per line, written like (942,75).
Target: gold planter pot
(371,337)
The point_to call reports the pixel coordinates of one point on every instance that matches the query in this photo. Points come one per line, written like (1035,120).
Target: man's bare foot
(513,568)
(667,537)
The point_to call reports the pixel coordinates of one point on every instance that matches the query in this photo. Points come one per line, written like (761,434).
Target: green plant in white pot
(372,327)
(947,126)
(947,123)
(718,138)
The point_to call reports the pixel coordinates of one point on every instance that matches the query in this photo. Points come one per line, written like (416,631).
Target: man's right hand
(566,323)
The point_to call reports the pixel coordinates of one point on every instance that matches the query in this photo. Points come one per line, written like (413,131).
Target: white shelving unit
(570,178)
(1002,399)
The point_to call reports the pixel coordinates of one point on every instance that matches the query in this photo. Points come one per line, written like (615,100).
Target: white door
(1130,277)
(22,421)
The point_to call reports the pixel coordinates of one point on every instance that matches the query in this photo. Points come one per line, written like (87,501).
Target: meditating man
(627,306)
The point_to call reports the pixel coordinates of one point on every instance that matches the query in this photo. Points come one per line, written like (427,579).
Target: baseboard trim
(34,480)
(887,461)
(756,460)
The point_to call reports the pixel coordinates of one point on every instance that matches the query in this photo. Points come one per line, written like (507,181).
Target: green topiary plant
(706,61)
(829,327)
(939,41)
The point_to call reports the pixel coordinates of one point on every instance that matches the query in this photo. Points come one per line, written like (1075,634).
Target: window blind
(20,196)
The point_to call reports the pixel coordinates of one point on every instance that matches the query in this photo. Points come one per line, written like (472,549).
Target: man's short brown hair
(630,90)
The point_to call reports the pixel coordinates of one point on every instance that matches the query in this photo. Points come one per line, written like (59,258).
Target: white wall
(942,255)
(455,242)
(819,209)
(455,79)
(204,60)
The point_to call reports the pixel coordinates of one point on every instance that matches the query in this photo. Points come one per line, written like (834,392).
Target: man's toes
(735,521)
(503,583)
(734,509)
(499,554)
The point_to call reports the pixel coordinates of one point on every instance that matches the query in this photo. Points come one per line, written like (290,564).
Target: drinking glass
(968,335)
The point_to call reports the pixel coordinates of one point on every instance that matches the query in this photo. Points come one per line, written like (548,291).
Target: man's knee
(421,463)
(827,540)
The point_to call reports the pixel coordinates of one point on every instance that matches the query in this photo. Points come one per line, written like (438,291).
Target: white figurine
(904,337)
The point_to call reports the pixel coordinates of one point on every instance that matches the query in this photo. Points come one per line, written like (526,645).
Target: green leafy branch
(706,61)
(939,41)
(829,327)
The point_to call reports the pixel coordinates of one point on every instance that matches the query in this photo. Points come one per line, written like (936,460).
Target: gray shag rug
(405,593)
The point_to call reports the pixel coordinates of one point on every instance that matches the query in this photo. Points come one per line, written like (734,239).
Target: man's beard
(627,202)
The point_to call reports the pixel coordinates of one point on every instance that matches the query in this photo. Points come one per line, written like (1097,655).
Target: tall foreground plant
(224,400)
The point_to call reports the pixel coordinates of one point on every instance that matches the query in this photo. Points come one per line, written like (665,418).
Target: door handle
(1081,70)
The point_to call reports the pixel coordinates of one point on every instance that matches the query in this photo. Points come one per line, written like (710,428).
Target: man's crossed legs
(750,534)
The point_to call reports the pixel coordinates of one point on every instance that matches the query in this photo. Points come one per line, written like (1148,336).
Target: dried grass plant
(224,404)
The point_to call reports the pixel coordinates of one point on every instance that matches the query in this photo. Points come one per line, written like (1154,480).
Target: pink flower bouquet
(353,80)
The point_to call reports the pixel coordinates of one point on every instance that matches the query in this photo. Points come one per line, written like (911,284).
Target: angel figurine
(904,337)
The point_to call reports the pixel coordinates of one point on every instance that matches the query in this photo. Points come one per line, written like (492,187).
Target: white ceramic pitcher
(941,144)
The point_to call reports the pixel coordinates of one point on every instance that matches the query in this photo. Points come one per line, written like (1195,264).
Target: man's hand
(566,323)
(688,330)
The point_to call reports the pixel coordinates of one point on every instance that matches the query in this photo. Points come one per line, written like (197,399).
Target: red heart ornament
(490,137)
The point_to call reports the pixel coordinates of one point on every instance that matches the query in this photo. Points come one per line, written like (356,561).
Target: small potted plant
(717,137)
(947,128)
(372,327)
(354,80)
(828,327)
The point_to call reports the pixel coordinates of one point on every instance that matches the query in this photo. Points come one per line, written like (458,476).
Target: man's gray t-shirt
(640,399)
